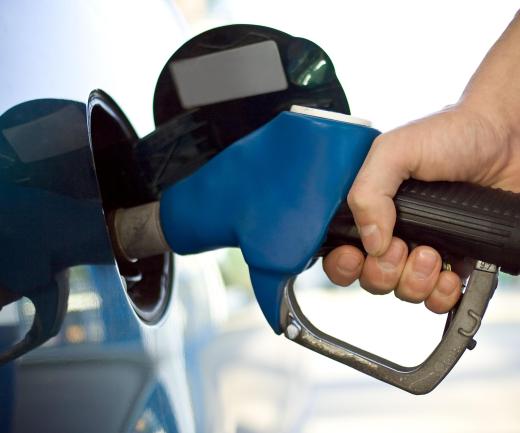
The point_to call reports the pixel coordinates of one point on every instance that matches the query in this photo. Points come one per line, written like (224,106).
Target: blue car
(103,365)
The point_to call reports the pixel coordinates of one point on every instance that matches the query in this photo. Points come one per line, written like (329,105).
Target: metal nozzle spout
(136,232)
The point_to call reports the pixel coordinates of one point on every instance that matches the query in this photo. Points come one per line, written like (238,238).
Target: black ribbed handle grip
(455,218)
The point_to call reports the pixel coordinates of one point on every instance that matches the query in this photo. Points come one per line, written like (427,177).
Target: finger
(419,275)
(371,196)
(415,150)
(343,265)
(446,293)
(380,275)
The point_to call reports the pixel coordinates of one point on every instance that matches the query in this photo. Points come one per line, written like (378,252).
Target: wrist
(494,124)
(495,141)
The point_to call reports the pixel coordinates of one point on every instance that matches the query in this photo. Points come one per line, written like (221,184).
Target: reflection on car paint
(99,371)
(54,219)
(56,247)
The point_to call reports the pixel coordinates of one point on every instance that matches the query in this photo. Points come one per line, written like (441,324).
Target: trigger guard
(420,379)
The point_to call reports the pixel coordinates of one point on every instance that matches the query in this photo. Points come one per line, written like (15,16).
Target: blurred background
(397,61)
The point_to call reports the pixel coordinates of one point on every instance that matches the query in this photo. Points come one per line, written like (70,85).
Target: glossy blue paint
(273,194)
(38,228)
(104,370)
(57,254)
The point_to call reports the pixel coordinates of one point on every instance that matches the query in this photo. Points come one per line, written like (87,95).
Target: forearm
(495,86)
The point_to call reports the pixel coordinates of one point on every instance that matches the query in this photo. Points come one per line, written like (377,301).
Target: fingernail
(391,259)
(348,263)
(371,237)
(424,264)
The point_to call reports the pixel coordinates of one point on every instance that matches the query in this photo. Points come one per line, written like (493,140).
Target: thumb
(454,145)
(371,196)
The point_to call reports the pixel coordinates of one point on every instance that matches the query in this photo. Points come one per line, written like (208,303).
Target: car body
(107,369)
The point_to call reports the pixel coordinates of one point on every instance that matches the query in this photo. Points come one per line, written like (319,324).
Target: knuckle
(412,293)
(378,142)
(438,305)
(340,278)
(341,282)
(413,299)
(357,199)
(374,289)
(434,306)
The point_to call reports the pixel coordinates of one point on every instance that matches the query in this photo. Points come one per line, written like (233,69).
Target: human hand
(456,144)
(476,140)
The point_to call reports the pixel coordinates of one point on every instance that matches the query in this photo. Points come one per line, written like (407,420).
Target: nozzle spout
(136,232)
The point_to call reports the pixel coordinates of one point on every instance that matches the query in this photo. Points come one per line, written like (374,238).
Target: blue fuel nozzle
(272,193)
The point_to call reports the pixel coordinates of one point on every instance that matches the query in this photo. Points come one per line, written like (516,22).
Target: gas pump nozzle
(279,193)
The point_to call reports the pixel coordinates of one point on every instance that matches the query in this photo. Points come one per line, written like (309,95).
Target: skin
(476,140)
